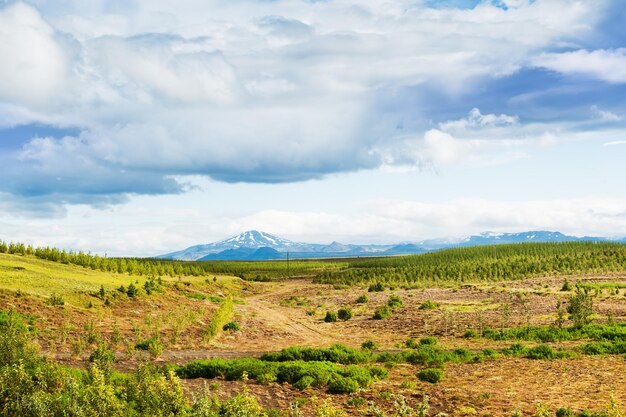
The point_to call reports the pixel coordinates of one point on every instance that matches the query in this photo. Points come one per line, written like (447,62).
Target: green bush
(343,385)
(369,345)
(580,306)
(336,354)
(267,378)
(567,286)
(132,291)
(546,352)
(363,299)
(382,312)
(322,373)
(394,301)
(377,287)
(344,313)
(429,340)
(222,316)
(471,334)
(152,345)
(564,412)
(231,326)
(103,358)
(304,382)
(432,375)
(56,299)
(330,317)
(428,305)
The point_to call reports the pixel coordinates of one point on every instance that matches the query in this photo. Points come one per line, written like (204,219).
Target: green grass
(33,276)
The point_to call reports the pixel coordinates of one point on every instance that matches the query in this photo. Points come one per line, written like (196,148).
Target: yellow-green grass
(33,276)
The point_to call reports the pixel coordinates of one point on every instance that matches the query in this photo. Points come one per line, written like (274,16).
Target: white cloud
(615,143)
(476,119)
(604,115)
(35,63)
(603,64)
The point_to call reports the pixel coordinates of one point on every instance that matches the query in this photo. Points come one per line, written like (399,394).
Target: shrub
(382,312)
(471,334)
(428,305)
(154,393)
(330,317)
(564,412)
(152,345)
(369,345)
(430,340)
(546,352)
(327,409)
(220,318)
(432,375)
(567,286)
(242,405)
(132,291)
(362,299)
(231,326)
(580,306)
(103,358)
(342,385)
(377,287)
(56,299)
(266,378)
(344,313)
(394,301)
(304,382)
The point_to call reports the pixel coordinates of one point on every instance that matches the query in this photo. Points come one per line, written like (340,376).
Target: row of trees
(133,266)
(486,263)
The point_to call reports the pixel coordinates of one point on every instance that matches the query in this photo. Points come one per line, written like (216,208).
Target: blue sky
(140,127)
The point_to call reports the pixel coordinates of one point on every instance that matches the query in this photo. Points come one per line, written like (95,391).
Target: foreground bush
(298,373)
(336,354)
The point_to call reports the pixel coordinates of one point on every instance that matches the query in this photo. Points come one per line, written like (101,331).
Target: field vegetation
(512,330)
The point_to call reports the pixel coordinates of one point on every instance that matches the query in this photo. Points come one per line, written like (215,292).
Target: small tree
(580,306)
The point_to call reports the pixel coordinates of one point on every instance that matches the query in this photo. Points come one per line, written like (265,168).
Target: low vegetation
(302,374)
(220,318)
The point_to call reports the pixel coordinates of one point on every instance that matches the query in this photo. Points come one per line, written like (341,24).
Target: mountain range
(254,245)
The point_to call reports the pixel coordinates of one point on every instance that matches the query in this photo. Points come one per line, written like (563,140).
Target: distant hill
(256,245)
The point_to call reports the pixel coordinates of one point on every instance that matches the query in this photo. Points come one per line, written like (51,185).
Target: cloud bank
(264,92)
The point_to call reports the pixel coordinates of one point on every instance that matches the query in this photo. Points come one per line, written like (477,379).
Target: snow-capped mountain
(256,245)
(251,239)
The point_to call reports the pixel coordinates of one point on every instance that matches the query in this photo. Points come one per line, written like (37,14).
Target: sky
(139,127)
